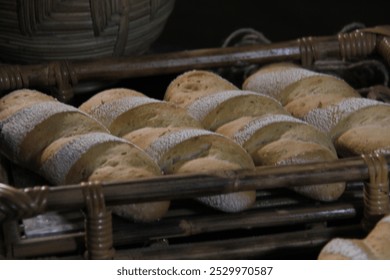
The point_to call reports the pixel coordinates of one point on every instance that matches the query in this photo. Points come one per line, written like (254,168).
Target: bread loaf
(191,85)
(327,118)
(225,106)
(273,78)
(29,127)
(315,92)
(67,146)
(262,127)
(376,246)
(281,140)
(180,150)
(123,111)
(331,105)
(356,125)
(299,90)
(173,138)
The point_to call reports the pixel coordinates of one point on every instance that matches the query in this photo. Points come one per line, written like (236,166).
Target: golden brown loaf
(299,90)
(123,111)
(281,140)
(65,145)
(217,109)
(315,92)
(189,150)
(262,126)
(272,79)
(191,85)
(376,246)
(356,125)
(175,141)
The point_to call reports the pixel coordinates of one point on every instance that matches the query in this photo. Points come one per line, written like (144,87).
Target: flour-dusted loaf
(102,157)
(106,96)
(66,145)
(260,124)
(281,140)
(356,125)
(173,138)
(372,115)
(217,109)
(327,118)
(363,131)
(180,150)
(191,85)
(274,78)
(20,99)
(376,246)
(123,111)
(31,125)
(315,92)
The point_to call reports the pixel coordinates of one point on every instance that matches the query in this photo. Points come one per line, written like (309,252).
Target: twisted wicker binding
(376,192)
(98,222)
(17,203)
(356,44)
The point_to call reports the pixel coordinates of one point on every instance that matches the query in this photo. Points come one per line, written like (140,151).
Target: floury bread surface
(298,89)
(356,125)
(30,121)
(173,138)
(192,85)
(123,111)
(281,140)
(376,246)
(274,78)
(314,92)
(66,145)
(217,109)
(260,124)
(179,150)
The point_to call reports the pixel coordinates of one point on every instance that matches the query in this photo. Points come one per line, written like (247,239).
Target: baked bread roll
(299,90)
(281,140)
(315,92)
(123,111)
(67,146)
(261,126)
(327,118)
(191,85)
(173,138)
(29,125)
(272,79)
(376,246)
(188,150)
(356,125)
(102,157)
(363,131)
(217,109)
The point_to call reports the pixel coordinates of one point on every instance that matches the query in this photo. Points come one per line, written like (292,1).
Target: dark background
(206,23)
(196,24)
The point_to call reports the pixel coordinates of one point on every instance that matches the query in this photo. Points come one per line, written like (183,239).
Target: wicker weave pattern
(43,30)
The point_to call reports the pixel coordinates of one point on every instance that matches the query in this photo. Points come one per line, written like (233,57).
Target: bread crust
(191,85)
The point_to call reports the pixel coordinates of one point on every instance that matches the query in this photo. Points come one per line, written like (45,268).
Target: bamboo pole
(29,202)
(193,185)
(65,74)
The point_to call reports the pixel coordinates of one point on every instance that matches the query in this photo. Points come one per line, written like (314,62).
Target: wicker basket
(41,30)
